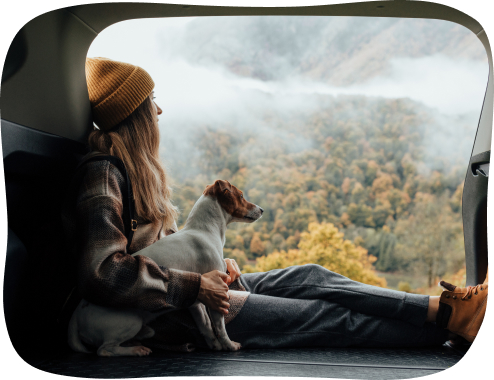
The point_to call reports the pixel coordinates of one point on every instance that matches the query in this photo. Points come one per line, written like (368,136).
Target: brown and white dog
(198,247)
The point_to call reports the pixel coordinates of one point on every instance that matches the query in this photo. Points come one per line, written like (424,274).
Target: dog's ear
(223,185)
(218,187)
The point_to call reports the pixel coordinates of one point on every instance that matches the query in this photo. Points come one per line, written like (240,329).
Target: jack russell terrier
(198,248)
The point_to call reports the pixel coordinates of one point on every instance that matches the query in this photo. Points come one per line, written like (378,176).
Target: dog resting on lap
(198,248)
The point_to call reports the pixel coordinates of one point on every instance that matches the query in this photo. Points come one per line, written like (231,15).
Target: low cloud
(193,96)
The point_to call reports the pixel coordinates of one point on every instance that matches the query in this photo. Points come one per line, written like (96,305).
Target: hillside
(369,175)
(335,50)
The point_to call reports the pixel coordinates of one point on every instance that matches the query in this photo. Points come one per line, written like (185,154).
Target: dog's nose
(260,208)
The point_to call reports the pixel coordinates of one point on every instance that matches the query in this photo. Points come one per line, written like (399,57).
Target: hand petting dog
(232,269)
(214,291)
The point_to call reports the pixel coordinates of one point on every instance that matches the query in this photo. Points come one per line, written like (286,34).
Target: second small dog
(198,247)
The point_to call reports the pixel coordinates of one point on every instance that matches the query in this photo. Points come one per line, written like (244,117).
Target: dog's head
(233,202)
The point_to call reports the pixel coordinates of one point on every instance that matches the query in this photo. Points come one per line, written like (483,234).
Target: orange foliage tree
(323,244)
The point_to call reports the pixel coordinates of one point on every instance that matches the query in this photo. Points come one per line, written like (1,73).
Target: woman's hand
(214,292)
(232,269)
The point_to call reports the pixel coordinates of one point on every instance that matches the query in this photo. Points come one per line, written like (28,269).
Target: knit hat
(115,89)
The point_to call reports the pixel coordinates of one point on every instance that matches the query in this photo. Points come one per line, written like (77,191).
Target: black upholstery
(37,169)
(14,279)
(353,363)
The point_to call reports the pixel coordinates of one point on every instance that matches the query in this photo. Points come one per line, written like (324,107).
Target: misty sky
(192,88)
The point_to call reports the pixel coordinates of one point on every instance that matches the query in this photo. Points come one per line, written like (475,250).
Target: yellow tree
(257,247)
(324,245)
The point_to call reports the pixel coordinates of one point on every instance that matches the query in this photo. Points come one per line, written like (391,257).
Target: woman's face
(158,110)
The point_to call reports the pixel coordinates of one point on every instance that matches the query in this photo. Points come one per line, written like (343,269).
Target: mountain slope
(337,50)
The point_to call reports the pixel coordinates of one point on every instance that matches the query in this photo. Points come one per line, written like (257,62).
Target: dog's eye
(241,195)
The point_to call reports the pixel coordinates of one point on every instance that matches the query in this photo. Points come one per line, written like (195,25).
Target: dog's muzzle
(254,214)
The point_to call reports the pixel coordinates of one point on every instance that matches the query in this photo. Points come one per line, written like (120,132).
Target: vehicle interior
(46,118)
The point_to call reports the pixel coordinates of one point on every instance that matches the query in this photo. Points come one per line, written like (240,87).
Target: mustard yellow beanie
(115,89)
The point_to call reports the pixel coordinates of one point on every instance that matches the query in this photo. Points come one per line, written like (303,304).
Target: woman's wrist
(185,289)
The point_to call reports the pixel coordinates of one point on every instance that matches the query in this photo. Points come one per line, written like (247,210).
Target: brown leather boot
(462,310)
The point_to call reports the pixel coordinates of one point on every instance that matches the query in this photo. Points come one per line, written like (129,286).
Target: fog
(198,85)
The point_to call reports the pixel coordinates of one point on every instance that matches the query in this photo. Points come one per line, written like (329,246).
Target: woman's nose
(159,110)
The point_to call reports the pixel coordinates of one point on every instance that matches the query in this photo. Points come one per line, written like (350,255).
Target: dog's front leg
(201,318)
(218,322)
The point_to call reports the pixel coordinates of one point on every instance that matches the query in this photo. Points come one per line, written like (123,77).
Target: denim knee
(319,270)
(313,268)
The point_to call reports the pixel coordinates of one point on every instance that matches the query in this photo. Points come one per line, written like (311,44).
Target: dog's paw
(103,352)
(141,351)
(232,346)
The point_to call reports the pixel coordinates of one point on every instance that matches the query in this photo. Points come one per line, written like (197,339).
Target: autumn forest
(358,188)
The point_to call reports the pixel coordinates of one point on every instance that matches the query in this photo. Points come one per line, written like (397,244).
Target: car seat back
(38,168)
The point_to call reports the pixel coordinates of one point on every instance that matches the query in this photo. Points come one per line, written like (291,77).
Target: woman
(298,306)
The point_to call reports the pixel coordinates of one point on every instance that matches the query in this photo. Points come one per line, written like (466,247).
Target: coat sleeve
(107,274)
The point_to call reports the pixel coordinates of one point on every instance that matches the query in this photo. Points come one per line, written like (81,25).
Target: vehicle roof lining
(100,16)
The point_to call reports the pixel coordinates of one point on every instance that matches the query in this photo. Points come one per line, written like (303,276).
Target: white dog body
(198,248)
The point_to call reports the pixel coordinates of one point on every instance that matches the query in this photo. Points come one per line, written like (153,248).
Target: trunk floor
(352,363)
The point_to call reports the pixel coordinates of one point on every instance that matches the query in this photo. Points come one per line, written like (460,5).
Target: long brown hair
(135,141)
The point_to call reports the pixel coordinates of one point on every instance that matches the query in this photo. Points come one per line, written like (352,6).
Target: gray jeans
(308,305)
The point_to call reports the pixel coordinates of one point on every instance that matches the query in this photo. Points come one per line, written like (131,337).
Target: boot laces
(472,289)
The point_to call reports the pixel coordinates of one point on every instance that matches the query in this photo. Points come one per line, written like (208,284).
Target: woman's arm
(107,274)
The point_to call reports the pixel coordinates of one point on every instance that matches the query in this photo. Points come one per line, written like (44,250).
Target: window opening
(353,133)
